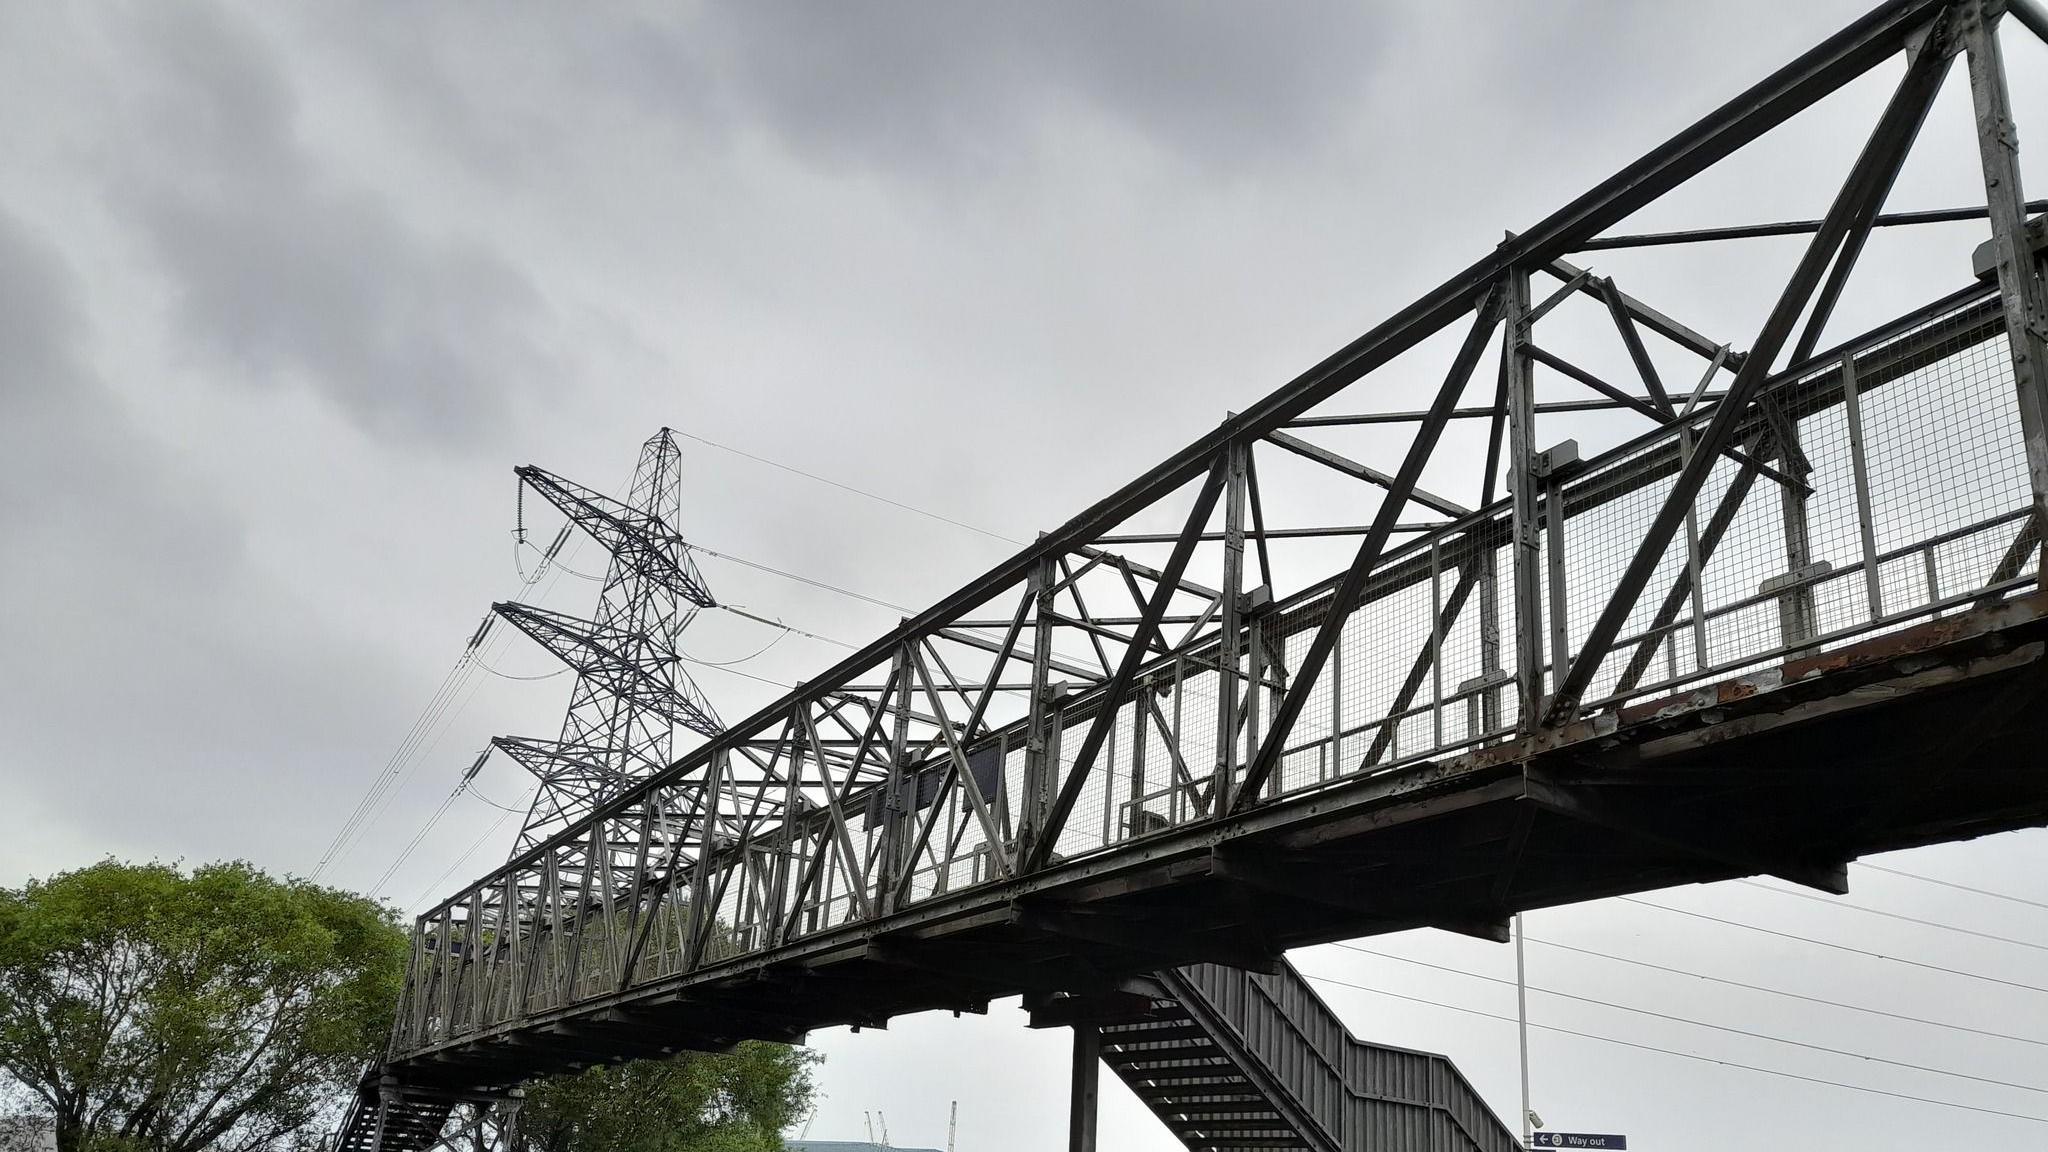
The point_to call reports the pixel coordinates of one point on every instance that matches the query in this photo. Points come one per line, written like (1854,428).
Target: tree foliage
(143,1008)
(738,1101)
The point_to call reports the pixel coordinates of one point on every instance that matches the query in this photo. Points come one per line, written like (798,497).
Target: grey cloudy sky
(286,291)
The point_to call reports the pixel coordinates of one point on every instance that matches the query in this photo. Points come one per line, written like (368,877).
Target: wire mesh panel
(1909,463)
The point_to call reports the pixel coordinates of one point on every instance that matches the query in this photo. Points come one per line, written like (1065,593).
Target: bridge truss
(1187,726)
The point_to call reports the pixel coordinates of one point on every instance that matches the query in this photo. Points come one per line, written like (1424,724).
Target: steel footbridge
(1269,694)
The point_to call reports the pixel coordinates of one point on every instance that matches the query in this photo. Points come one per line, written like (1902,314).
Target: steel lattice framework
(631,690)
(1150,738)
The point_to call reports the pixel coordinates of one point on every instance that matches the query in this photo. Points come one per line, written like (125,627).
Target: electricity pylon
(631,691)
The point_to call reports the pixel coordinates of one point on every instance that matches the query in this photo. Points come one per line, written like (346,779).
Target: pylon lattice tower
(631,691)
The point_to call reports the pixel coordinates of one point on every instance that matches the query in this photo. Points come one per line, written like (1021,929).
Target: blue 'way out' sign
(1577,1140)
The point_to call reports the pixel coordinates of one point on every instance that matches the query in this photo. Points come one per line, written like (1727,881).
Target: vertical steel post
(1522,1031)
(1038,766)
(1141,728)
(1489,639)
(387,1091)
(1081,1098)
(2020,284)
(1553,533)
(1524,541)
(899,804)
(1695,562)
(1255,690)
(1859,465)
(508,1127)
(1797,617)
(1436,644)
(1173,753)
(1230,651)
(1336,762)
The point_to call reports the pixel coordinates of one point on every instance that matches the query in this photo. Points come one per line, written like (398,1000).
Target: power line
(459,861)
(1675,1019)
(407,756)
(788,575)
(382,780)
(744,614)
(510,676)
(1782,992)
(757,653)
(417,839)
(1952,884)
(1832,903)
(423,755)
(1685,1055)
(1832,944)
(474,791)
(911,508)
(737,672)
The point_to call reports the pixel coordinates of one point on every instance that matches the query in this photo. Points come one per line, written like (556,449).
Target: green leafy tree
(738,1101)
(144,1008)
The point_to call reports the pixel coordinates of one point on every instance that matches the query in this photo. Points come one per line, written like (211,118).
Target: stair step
(1169,1101)
(1150,1033)
(1228,1110)
(1136,1056)
(1207,1074)
(1258,1125)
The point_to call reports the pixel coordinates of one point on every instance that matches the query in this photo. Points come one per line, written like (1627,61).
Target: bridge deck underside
(1927,734)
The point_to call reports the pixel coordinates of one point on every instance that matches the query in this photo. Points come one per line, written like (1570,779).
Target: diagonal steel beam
(2031,14)
(1874,195)
(1638,311)
(1258,509)
(1681,585)
(1633,341)
(1878,163)
(1488,309)
(1357,471)
(1412,683)
(1127,669)
(1646,408)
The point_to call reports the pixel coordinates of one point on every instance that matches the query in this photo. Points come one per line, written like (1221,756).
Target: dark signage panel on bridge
(1578,1140)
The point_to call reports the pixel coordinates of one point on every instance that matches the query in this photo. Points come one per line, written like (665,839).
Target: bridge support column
(1038,763)
(1082,1096)
(2020,281)
(387,1095)
(1231,692)
(1524,538)
(508,1118)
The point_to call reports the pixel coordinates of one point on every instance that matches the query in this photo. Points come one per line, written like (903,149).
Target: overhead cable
(1785,993)
(1952,884)
(911,508)
(1684,1055)
(1831,944)
(1845,905)
(1676,1019)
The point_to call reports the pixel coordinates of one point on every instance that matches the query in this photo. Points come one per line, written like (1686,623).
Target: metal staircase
(1229,1059)
(405,1122)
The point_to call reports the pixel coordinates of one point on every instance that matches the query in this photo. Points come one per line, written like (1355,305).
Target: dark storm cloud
(144,652)
(918,84)
(289,272)
(915,89)
(93,497)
